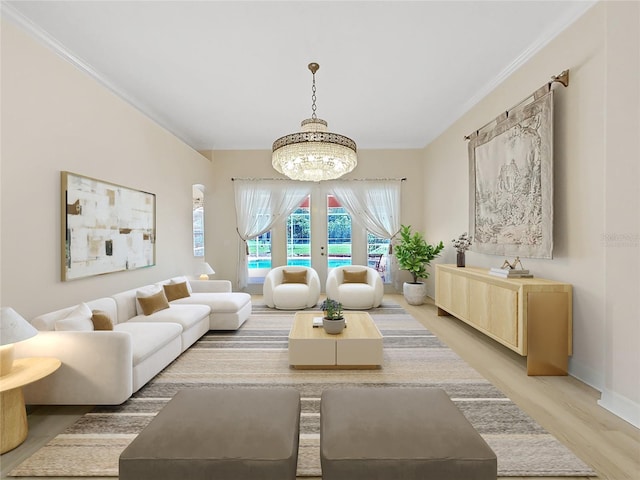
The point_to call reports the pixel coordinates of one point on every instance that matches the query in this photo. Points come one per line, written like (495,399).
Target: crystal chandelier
(314,154)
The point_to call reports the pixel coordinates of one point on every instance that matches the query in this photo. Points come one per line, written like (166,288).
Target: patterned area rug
(256,355)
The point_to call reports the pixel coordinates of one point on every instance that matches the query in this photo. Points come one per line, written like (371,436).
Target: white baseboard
(586,375)
(617,404)
(621,406)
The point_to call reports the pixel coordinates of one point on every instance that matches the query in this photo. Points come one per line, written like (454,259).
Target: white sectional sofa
(105,367)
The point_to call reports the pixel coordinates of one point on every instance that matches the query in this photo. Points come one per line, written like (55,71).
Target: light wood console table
(12,409)
(531,316)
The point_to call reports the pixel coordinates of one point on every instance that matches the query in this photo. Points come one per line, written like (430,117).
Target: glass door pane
(299,235)
(338,234)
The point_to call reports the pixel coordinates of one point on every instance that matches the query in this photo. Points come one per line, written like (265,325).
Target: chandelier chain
(313,98)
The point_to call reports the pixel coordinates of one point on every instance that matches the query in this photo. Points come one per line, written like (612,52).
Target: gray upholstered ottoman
(392,433)
(232,433)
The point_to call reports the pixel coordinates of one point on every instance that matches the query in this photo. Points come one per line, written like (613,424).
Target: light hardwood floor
(565,406)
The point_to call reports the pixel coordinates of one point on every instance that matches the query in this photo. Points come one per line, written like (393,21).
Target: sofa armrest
(210,286)
(97,368)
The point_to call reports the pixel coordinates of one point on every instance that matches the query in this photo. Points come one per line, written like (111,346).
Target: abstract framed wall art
(511,182)
(105,227)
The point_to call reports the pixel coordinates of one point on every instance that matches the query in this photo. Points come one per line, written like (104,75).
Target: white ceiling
(233,74)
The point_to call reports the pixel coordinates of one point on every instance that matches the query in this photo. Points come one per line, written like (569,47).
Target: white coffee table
(358,346)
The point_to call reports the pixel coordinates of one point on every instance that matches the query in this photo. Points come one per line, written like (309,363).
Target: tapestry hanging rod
(562,78)
(403,179)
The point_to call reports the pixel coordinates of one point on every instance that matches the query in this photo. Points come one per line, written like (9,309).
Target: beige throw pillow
(359,276)
(289,276)
(153,303)
(174,291)
(101,320)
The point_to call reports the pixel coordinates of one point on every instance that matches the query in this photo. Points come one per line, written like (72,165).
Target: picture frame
(511,182)
(105,227)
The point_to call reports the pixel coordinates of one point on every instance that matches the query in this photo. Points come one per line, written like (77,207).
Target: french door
(320,235)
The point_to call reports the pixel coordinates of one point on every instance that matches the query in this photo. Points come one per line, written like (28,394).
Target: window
(198,220)
(378,255)
(259,260)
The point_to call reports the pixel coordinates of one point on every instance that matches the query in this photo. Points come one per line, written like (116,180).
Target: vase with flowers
(461,244)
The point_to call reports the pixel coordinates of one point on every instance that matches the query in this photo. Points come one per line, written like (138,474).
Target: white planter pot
(333,326)
(414,293)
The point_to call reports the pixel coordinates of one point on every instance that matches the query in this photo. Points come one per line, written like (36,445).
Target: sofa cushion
(289,276)
(174,291)
(227,302)
(153,303)
(148,337)
(101,320)
(354,276)
(185,315)
(79,319)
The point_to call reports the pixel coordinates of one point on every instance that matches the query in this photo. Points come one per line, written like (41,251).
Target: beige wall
(595,169)
(56,118)
(222,242)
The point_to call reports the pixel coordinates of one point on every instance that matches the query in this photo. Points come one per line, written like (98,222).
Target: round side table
(13,414)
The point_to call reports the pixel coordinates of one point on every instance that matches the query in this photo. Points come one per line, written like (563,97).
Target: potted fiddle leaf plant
(414,254)
(333,319)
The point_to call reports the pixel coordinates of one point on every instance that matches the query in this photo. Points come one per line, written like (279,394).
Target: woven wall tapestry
(511,182)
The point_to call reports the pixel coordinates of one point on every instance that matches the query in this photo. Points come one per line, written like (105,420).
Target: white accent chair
(279,291)
(355,295)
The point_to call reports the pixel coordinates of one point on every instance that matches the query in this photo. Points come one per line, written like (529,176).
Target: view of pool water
(333,262)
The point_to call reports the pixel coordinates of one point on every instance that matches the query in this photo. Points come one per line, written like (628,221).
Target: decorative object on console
(511,270)
(333,320)
(106,227)
(461,244)
(314,154)
(204,269)
(414,254)
(13,328)
(511,179)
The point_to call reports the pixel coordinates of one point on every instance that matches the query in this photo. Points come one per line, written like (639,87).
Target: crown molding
(9,12)
(555,29)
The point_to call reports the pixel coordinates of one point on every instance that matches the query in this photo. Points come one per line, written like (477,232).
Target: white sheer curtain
(260,204)
(374,204)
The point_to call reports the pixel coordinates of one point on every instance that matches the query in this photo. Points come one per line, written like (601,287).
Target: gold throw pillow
(101,320)
(174,291)
(153,303)
(289,276)
(359,276)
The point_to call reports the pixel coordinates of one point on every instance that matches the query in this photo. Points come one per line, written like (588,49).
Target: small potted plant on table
(333,320)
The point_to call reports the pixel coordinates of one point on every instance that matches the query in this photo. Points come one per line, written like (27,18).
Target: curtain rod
(233,179)
(562,78)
